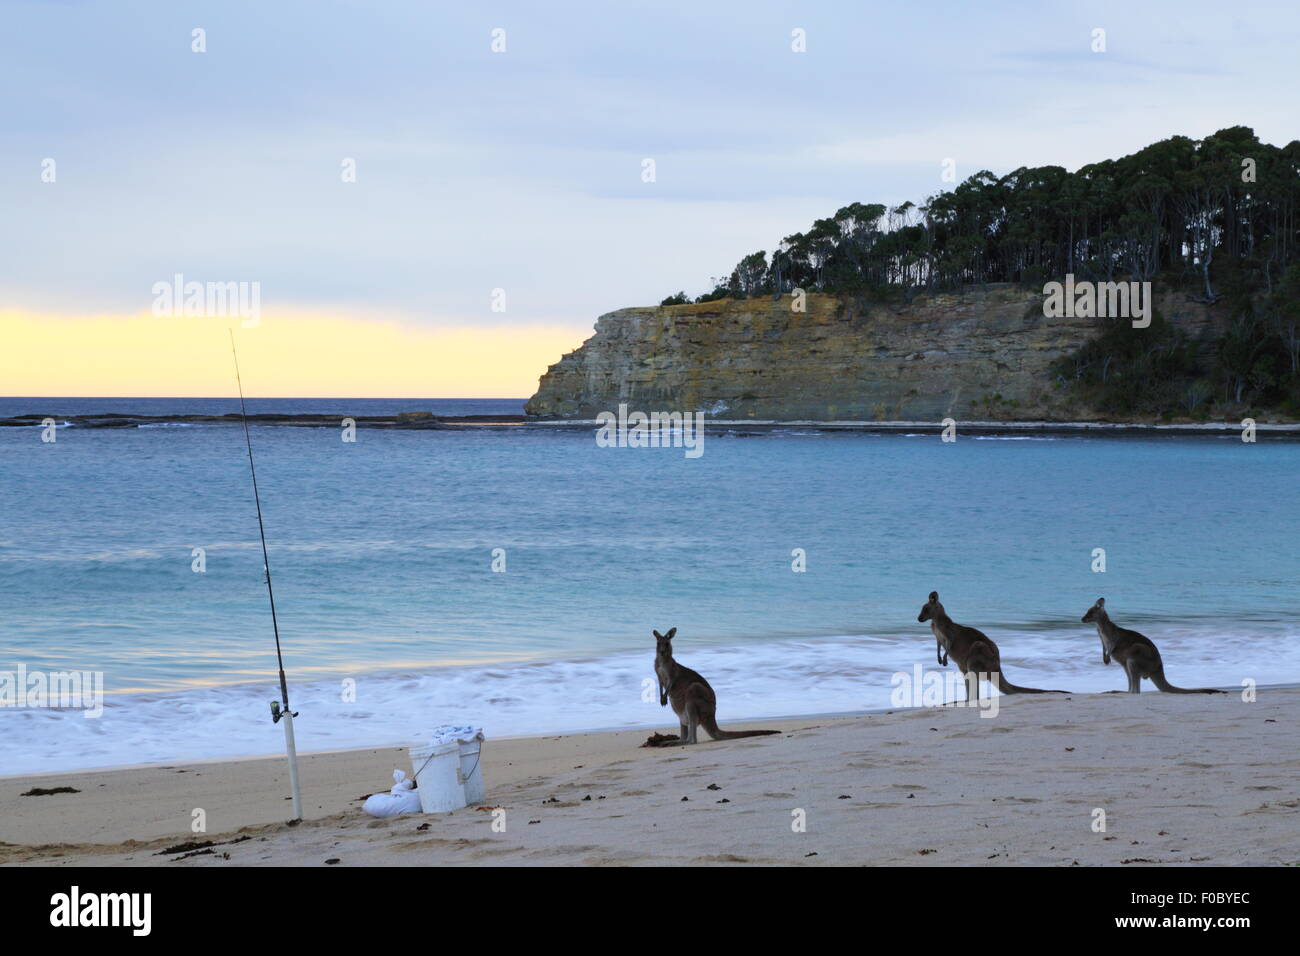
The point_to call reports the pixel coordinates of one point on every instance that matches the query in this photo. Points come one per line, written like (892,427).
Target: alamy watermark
(241,300)
(79,690)
(655,430)
(1116,300)
(922,688)
(75,908)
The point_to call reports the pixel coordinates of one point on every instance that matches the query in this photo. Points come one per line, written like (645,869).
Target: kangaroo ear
(934,595)
(1101,602)
(671,632)
(658,636)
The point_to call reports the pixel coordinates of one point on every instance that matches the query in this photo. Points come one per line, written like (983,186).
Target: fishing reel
(277,713)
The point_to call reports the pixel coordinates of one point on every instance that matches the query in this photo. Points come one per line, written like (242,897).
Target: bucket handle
(463,778)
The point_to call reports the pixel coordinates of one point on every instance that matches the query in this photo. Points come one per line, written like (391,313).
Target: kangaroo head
(664,642)
(930,607)
(1095,612)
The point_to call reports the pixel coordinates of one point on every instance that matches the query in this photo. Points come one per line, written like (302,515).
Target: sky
(500,202)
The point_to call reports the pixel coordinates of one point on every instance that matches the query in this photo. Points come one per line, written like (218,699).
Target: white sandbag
(401,799)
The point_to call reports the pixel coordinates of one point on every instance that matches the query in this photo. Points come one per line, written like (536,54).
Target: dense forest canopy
(1171,208)
(1218,217)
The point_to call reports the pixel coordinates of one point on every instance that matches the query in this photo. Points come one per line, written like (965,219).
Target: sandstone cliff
(977,354)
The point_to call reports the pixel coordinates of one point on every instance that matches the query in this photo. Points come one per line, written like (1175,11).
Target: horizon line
(391,398)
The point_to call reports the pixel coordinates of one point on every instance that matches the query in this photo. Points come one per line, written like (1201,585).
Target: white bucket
(471,771)
(437,777)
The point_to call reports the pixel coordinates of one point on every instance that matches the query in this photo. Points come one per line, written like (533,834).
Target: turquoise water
(382,552)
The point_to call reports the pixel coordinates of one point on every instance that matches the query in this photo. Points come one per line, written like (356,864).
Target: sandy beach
(1182,780)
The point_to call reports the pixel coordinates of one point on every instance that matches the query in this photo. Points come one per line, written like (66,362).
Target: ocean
(393,619)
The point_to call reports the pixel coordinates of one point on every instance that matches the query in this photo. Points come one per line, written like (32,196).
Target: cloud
(522,170)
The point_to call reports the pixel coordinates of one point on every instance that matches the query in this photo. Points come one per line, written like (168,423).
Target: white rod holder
(293,764)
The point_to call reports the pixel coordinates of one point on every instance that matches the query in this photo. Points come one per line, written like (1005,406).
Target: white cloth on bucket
(452,734)
(401,799)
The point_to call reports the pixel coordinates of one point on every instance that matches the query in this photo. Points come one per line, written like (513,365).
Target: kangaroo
(1135,653)
(973,651)
(692,698)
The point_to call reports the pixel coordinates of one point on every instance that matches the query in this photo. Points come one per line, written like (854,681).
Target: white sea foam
(755,680)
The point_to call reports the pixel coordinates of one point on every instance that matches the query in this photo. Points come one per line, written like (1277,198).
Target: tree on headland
(1218,218)
(1172,211)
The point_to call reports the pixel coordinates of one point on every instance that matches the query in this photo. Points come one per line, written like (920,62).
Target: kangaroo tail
(710,725)
(1007,687)
(1158,678)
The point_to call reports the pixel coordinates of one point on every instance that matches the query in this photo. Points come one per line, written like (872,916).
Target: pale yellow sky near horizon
(302,355)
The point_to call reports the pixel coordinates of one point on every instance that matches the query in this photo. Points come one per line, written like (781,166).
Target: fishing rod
(279,708)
